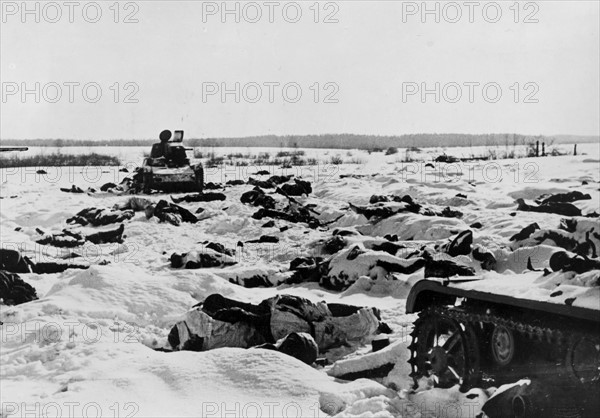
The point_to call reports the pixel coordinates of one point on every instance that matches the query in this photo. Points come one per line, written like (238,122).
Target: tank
(486,332)
(168,168)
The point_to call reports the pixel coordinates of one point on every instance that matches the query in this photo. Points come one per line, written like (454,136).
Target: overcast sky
(368,66)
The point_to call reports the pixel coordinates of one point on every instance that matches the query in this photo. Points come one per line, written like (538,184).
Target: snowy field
(86,347)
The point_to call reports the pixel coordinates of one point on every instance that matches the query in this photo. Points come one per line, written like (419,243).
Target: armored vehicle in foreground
(486,332)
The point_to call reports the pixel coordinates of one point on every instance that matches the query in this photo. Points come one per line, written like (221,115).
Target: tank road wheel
(444,349)
(583,360)
(502,344)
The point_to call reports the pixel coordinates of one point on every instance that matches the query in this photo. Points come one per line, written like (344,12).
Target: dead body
(222,322)
(70,239)
(14,262)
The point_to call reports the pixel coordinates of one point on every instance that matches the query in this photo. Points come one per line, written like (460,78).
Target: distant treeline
(350,141)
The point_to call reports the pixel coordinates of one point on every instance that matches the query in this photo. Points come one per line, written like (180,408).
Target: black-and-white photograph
(299,209)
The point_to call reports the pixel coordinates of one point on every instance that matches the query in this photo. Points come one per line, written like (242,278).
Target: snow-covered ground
(85,348)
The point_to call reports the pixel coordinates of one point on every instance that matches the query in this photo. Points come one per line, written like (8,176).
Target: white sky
(369,54)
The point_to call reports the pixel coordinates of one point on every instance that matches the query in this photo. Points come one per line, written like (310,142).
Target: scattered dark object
(375,373)
(269,224)
(199,259)
(265,184)
(235,182)
(388,247)
(64,240)
(200,197)
(134,203)
(107,186)
(542,398)
(100,217)
(258,280)
(220,248)
(123,170)
(51,268)
(461,244)
(300,188)
(104,237)
(379,212)
(557,293)
(308,270)
(69,239)
(284,228)
(322,361)
(384,329)
(559,208)
(300,263)
(530,265)
(525,232)
(417,264)
(41,172)
(334,244)
(446,159)
(463,196)
(301,346)
(264,238)
(476,225)
(294,215)
(354,252)
(392,238)
(280,179)
(352,176)
(382,208)
(445,268)
(257,197)
(73,189)
(486,258)
(14,262)
(169,212)
(294,212)
(262,173)
(568,224)
(379,343)
(561,260)
(213,186)
(14,291)
(563,198)
(562,240)
(448,213)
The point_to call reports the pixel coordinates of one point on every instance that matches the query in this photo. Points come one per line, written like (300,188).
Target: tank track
(560,338)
